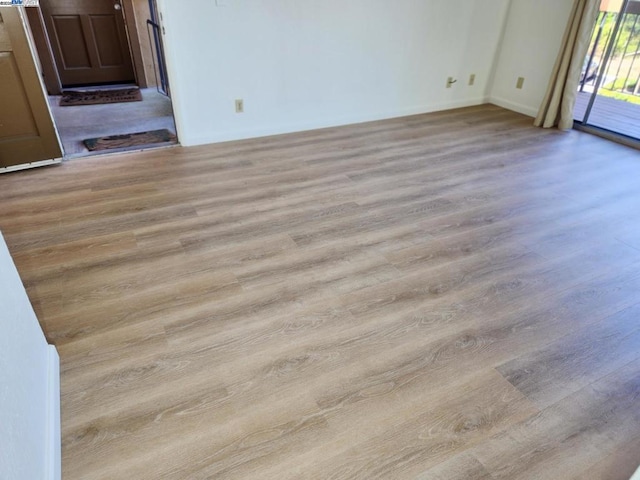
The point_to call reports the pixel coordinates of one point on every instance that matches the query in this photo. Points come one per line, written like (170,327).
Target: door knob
(117,6)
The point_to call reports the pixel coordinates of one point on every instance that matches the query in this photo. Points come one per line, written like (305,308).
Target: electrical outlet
(520,83)
(472,79)
(239,105)
(450,81)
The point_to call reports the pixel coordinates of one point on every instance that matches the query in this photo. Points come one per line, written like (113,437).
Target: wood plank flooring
(437,297)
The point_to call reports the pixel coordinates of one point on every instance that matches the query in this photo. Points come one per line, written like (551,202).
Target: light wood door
(89,41)
(27,133)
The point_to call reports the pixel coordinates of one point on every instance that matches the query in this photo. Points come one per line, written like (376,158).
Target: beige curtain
(558,103)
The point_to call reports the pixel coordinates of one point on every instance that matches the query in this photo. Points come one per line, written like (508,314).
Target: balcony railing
(621,74)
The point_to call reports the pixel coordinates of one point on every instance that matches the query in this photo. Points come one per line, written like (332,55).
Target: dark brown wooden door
(89,41)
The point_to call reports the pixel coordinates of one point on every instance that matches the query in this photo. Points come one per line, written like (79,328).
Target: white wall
(29,386)
(302,64)
(534,31)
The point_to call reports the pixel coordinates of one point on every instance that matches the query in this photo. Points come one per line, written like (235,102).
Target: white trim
(516,107)
(24,166)
(230,135)
(54,453)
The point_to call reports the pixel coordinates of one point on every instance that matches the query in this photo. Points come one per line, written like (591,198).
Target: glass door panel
(609,90)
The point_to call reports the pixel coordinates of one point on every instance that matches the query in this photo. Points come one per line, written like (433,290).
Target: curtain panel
(557,107)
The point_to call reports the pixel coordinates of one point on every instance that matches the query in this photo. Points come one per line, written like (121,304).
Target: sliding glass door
(609,90)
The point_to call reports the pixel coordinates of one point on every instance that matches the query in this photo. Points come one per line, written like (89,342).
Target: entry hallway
(445,296)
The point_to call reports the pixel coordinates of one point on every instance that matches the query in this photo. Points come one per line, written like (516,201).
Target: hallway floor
(78,123)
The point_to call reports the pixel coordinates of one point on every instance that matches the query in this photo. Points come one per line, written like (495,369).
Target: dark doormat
(130,140)
(95,97)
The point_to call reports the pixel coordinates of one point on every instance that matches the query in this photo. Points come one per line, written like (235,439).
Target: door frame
(583,123)
(45,53)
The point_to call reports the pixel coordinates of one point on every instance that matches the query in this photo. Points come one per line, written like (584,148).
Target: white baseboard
(516,107)
(231,135)
(54,451)
(24,166)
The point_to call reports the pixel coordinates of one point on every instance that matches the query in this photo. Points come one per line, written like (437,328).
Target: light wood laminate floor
(438,297)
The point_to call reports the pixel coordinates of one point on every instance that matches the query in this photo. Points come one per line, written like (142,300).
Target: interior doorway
(95,49)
